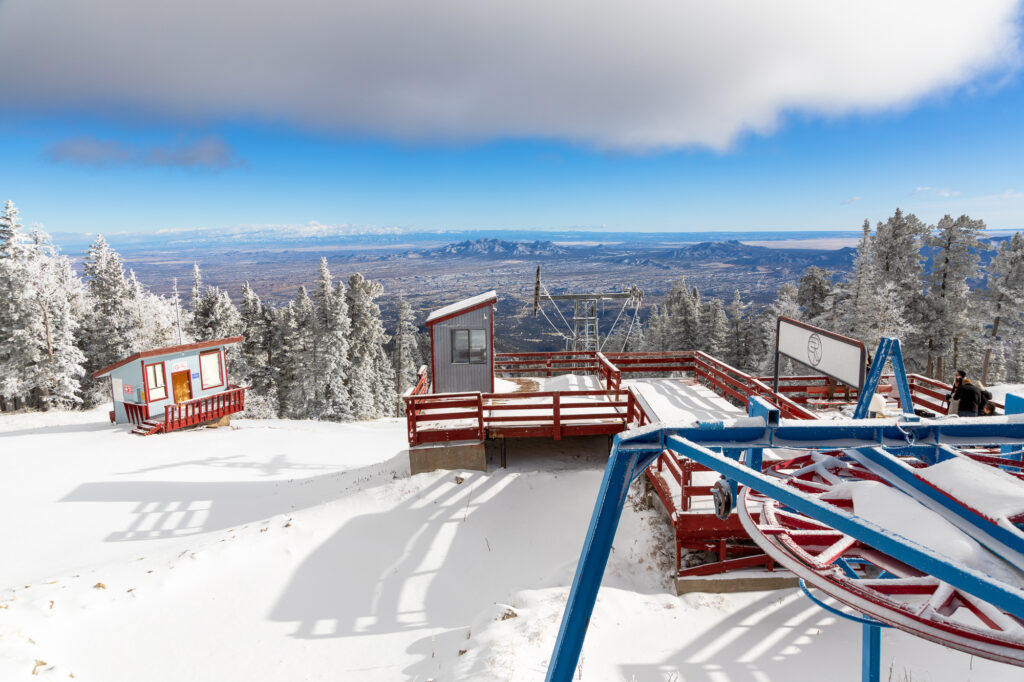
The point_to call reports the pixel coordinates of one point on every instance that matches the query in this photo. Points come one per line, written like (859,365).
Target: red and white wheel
(865,579)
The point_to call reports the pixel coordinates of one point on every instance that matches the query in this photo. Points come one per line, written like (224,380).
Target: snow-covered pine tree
(897,259)
(1006,289)
(256,356)
(109,330)
(737,346)
(816,295)
(333,364)
(406,351)
(680,321)
(785,304)
(20,318)
(714,329)
(858,299)
(955,245)
(297,381)
(371,381)
(59,294)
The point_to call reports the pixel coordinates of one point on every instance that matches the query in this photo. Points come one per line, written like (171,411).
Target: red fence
(136,413)
(206,409)
(555,414)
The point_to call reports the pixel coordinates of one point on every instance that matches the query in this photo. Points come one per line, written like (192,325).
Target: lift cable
(548,294)
(630,330)
(612,328)
(557,331)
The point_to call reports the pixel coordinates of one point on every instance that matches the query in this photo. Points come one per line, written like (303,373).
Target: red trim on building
(145,379)
(461,312)
(167,351)
(202,381)
(433,375)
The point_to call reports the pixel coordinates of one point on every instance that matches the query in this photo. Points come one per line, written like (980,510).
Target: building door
(182,386)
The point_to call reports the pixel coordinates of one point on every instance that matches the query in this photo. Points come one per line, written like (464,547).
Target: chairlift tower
(585,329)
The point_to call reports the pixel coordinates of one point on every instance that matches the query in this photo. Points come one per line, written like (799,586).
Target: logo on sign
(814,349)
(128,389)
(178,366)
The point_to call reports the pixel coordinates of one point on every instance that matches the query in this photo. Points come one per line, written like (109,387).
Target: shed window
(210,369)
(469,346)
(155,382)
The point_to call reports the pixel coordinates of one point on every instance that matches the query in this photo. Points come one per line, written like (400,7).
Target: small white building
(462,345)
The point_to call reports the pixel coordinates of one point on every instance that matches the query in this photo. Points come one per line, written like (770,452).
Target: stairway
(148,428)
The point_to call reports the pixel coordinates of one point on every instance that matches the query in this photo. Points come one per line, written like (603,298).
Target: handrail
(204,409)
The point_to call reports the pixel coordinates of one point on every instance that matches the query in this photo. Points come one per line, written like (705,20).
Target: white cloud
(851,200)
(637,75)
(943,192)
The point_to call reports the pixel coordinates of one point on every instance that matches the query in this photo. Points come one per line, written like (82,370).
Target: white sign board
(831,354)
(116,386)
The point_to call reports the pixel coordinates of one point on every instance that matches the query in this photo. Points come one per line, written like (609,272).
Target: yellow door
(182,387)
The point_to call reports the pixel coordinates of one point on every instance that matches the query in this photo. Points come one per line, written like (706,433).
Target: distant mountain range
(732,252)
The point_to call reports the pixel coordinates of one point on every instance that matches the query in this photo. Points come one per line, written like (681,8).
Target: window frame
(220,368)
(162,376)
(455,333)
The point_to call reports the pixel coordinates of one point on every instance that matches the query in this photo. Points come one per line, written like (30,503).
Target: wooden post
(557,410)
(480,413)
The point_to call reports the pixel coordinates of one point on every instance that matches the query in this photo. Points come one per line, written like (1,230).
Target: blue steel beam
(888,349)
(593,559)
(924,559)
(753,432)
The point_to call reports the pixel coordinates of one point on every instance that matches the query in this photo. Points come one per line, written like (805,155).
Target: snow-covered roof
(466,304)
(167,351)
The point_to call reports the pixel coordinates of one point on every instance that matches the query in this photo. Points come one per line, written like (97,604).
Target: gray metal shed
(462,345)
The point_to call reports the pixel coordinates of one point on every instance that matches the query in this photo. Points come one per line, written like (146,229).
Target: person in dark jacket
(967,393)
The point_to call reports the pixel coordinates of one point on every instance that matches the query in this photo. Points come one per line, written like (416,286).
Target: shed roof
(463,306)
(166,351)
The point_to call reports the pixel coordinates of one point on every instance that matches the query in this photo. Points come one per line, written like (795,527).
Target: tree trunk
(995,333)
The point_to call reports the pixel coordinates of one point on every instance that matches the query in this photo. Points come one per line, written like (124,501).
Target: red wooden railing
(201,410)
(422,383)
(546,364)
(557,414)
(136,413)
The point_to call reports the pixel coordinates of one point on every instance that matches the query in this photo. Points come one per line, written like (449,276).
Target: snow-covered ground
(281,550)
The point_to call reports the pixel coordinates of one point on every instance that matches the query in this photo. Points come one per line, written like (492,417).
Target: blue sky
(928,142)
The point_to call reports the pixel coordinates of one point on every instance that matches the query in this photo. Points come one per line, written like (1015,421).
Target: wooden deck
(190,413)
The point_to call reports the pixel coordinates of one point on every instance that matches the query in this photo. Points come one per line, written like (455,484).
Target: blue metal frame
(632,453)
(888,349)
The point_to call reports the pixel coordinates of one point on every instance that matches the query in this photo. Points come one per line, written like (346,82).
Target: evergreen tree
(332,362)
(59,295)
(714,330)
(297,382)
(371,382)
(406,350)
(737,347)
(1006,285)
(955,246)
(109,330)
(816,295)
(785,304)
(897,259)
(859,291)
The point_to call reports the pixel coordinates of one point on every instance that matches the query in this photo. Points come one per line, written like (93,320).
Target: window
(156,384)
(210,369)
(469,346)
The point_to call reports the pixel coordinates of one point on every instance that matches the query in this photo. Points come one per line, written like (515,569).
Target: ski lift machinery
(584,333)
(797,512)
